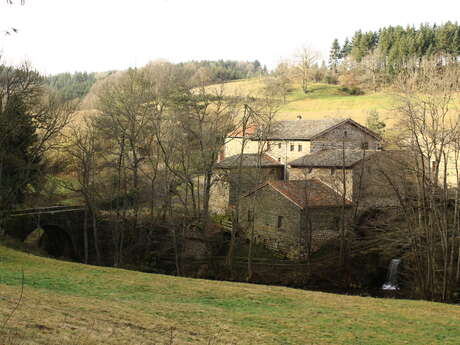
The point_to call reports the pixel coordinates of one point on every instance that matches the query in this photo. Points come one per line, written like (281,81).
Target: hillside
(324,100)
(69,303)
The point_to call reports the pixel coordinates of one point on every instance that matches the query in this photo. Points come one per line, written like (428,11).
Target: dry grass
(323,100)
(68,303)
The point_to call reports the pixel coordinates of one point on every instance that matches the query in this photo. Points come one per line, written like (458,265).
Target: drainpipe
(285,161)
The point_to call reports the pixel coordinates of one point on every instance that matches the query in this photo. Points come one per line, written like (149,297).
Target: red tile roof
(310,193)
(238,133)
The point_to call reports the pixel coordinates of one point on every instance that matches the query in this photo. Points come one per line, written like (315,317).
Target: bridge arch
(62,229)
(52,239)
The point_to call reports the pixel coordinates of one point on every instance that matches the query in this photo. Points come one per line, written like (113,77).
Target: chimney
(299,117)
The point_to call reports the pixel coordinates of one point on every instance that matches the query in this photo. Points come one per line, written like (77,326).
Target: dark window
(279,145)
(249,216)
(332,171)
(300,148)
(364,145)
(345,133)
(292,147)
(279,159)
(280,222)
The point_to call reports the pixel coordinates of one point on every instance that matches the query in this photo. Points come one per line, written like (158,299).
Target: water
(392,276)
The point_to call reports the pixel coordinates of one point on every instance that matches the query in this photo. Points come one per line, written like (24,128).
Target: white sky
(99,35)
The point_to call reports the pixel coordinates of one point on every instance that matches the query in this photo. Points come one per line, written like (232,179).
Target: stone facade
(381,179)
(224,192)
(346,135)
(291,140)
(250,179)
(333,177)
(370,179)
(280,218)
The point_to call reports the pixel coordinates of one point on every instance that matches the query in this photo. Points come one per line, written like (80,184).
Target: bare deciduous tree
(305,59)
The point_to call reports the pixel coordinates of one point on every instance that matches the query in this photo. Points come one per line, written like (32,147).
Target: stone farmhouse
(290,216)
(305,172)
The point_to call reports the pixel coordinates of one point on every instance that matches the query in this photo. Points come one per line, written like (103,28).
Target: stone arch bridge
(62,228)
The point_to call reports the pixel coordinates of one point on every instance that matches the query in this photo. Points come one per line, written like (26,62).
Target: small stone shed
(292,216)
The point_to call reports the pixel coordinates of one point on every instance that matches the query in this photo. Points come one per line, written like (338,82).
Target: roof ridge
(283,192)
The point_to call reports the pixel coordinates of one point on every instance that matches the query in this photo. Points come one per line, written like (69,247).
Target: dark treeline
(72,86)
(384,53)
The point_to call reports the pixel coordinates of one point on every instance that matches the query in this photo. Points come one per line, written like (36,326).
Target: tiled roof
(310,193)
(301,129)
(332,158)
(238,133)
(250,160)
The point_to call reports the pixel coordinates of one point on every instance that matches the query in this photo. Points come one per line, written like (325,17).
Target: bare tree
(84,149)
(126,106)
(431,122)
(305,59)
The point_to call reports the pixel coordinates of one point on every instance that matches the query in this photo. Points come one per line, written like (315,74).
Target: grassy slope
(69,301)
(323,101)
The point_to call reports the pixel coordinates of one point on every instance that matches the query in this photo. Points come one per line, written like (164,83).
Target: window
(279,159)
(364,145)
(292,147)
(280,222)
(300,148)
(249,216)
(268,146)
(279,145)
(332,171)
(345,133)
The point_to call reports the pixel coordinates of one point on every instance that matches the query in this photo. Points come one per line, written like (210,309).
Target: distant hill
(78,84)
(68,303)
(74,85)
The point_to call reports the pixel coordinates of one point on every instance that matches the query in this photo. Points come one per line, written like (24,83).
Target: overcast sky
(99,35)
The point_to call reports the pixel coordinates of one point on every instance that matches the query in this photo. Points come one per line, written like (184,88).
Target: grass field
(69,303)
(323,100)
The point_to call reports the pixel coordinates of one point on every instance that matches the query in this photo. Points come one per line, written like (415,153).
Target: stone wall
(286,240)
(353,137)
(250,179)
(219,197)
(376,178)
(329,176)
(268,206)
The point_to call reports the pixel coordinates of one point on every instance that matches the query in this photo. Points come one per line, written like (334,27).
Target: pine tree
(374,123)
(335,55)
(346,48)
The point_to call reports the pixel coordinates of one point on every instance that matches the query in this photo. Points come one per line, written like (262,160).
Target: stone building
(369,178)
(292,139)
(230,185)
(287,214)
(302,176)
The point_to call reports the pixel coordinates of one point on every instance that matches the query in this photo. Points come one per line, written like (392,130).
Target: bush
(354,91)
